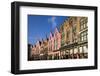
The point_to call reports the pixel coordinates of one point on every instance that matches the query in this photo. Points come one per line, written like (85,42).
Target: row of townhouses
(69,41)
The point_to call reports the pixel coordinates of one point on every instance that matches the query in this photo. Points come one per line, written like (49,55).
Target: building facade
(69,41)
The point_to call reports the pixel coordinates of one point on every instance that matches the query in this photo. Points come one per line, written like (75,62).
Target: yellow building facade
(74,33)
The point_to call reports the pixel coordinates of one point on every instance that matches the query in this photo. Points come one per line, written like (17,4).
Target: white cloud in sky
(52,20)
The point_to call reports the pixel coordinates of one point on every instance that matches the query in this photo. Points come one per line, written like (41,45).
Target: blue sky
(39,26)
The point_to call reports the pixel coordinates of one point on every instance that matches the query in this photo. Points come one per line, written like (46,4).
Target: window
(74,39)
(80,49)
(85,49)
(71,51)
(75,50)
(83,23)
(68,34)
(62,40)
(55,44)
(84,36)
(63,34)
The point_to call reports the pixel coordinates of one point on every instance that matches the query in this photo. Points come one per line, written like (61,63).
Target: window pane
(85,38)
(75,50)
(80,49)
(71,51)
(85,49)
(82,38)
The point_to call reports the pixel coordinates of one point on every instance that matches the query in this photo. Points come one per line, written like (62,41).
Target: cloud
(52,20)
